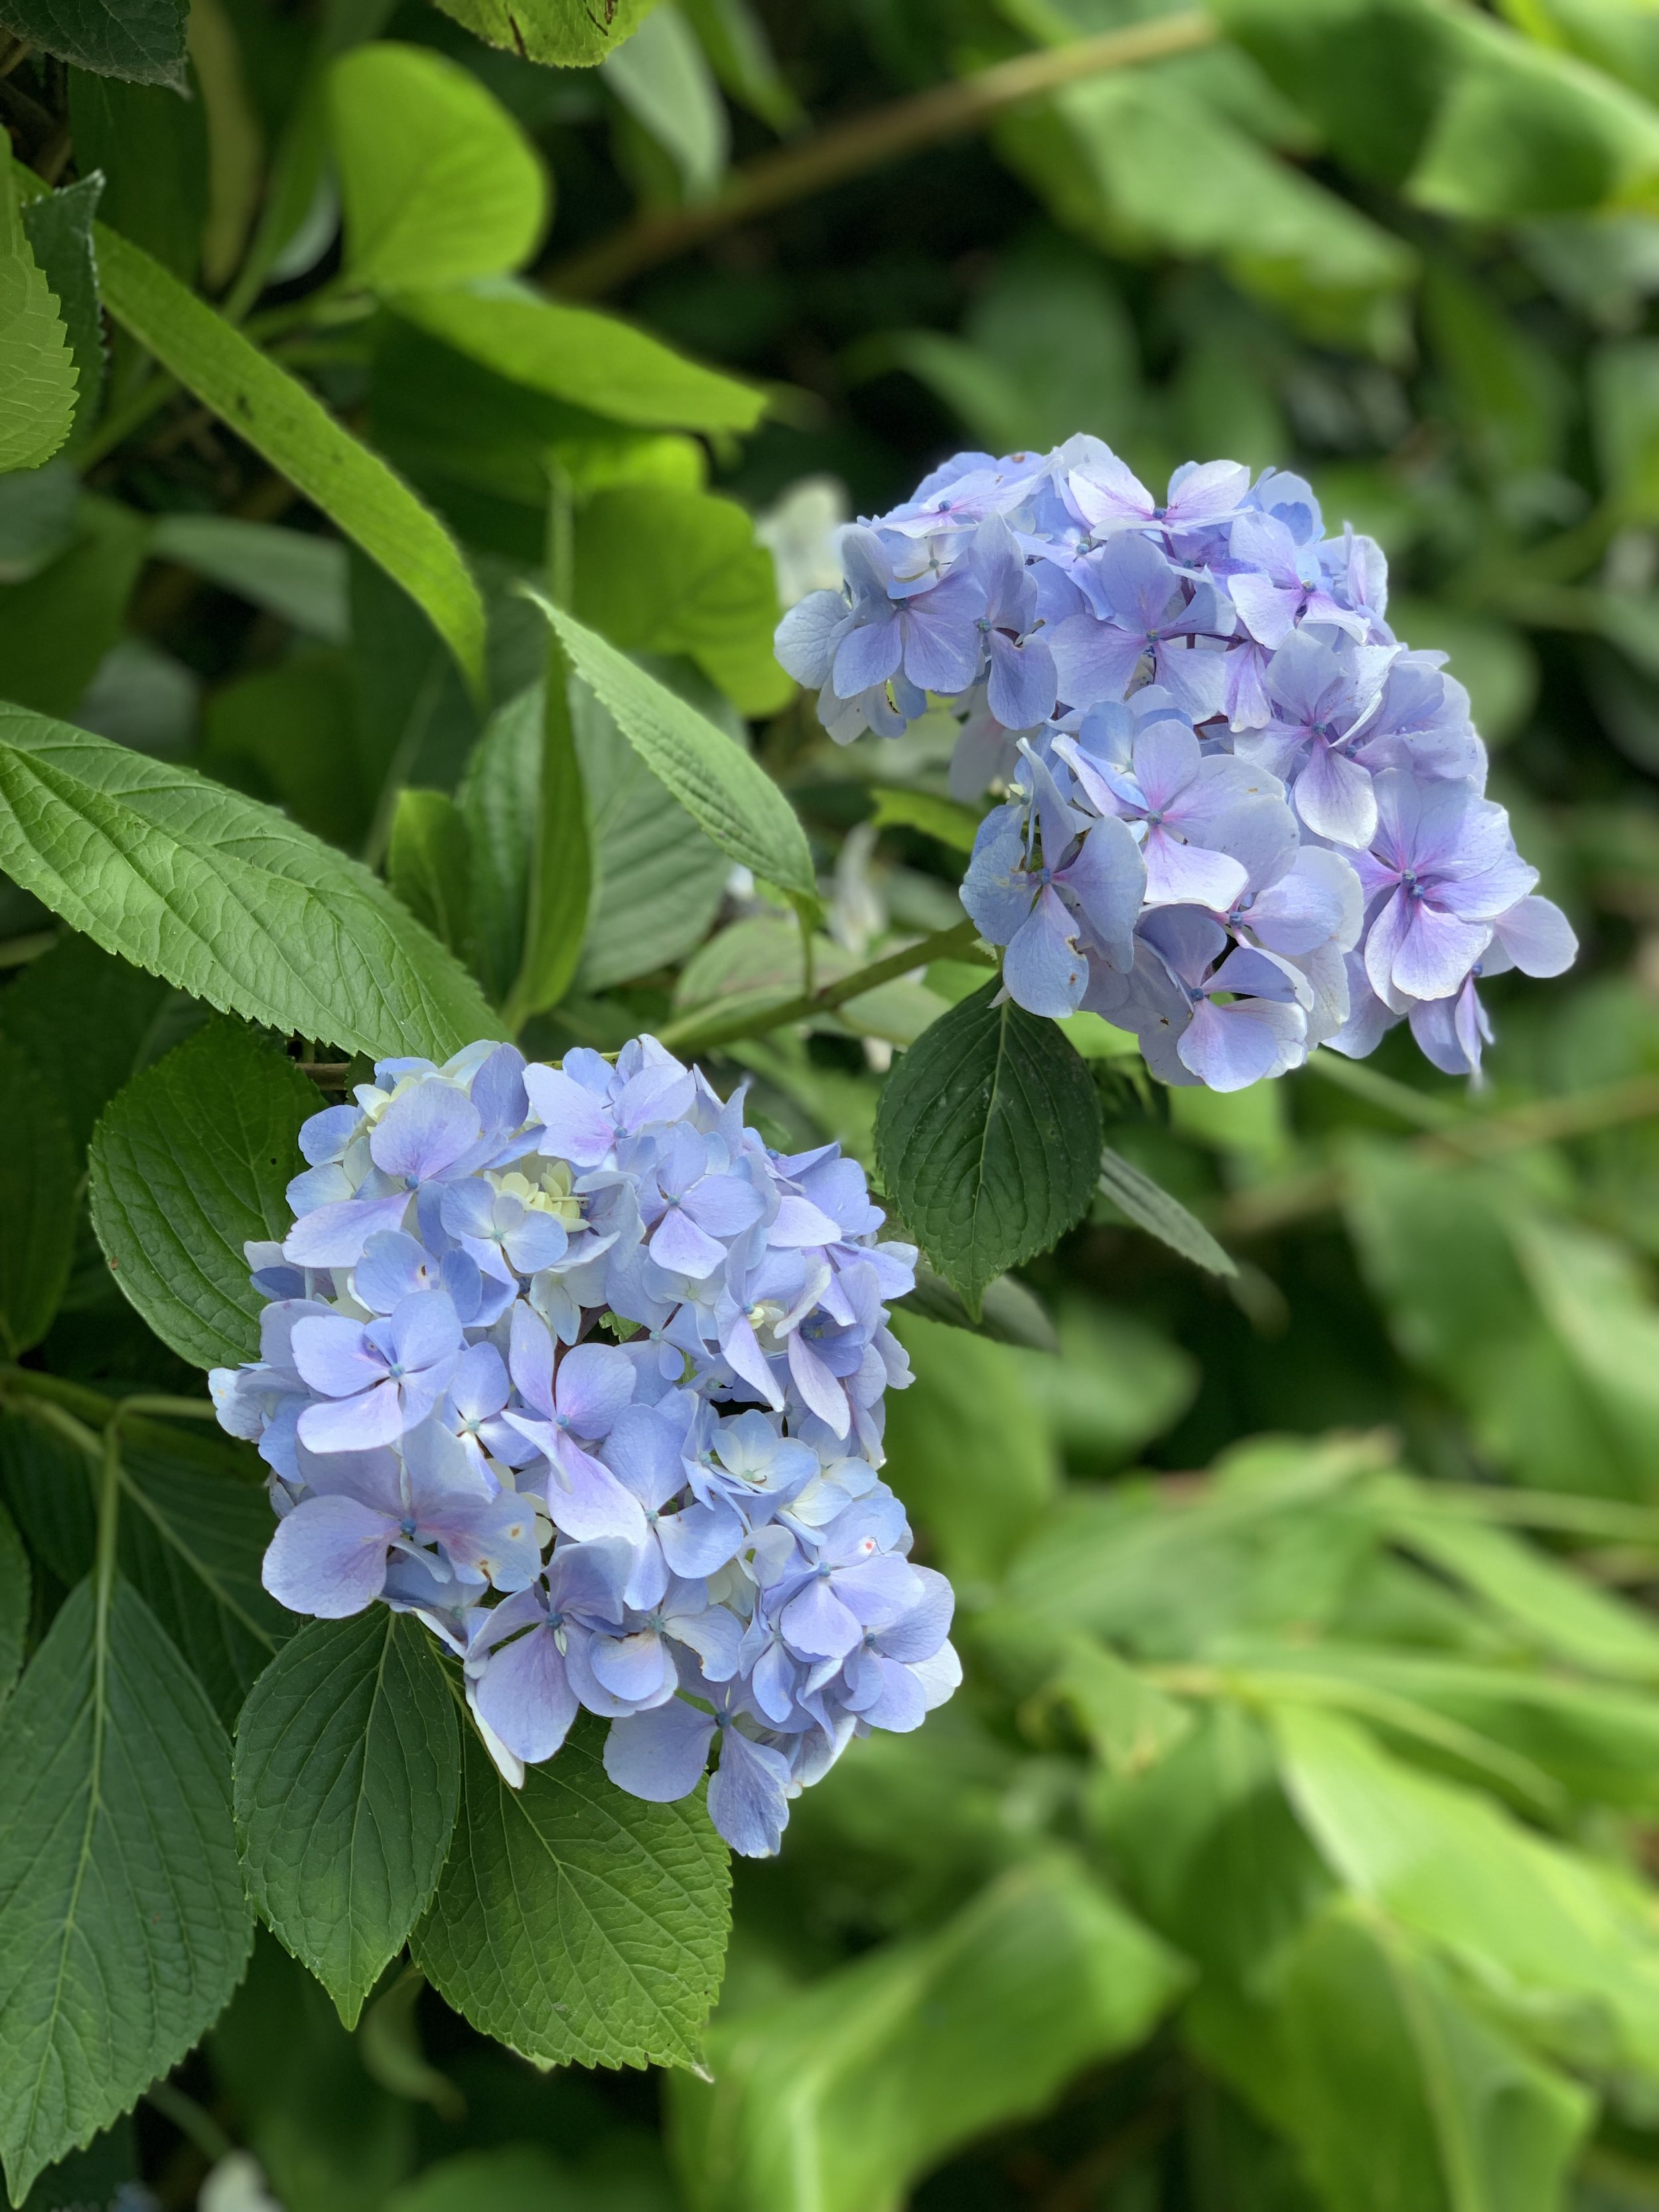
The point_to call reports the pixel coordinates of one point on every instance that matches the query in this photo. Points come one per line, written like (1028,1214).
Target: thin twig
(701,1031)
(867,142)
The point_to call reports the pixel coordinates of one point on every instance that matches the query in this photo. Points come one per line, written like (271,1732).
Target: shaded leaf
(59,231)
(989,1140)
(142,40)
(190,1162)
(347,1779)
(429,865)
(1151,1208)
(123,1925)
(576,1923)
(38,1178)
(568,33)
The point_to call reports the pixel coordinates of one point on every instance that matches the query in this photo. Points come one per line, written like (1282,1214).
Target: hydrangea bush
(1241,818)
(571,1365)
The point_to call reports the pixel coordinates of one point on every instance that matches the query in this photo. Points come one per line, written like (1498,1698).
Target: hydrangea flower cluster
(1243,818)
(568,1363)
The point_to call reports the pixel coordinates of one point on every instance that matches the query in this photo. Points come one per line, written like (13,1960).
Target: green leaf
(14,1602)
(149,144)
(57,626)
(59,232)
(223,897)
(289,735)
(735,41)
(559,880)
(967,1447)
(439,184)
(581,356)
(498,798)
(38,1174)
(142,40)
(662,78)
(733,800)
(190,1162)
(662,571)
(37,364)
(429,865)
(519,2177)
(293,574)
(276,415)
(576,1923)
(989,1140)
(1151,1208)
(658,882)
(195,1522)
(568,33)
(1129,1722)
(123,1925)
(1008,1312)
(836,2099)
(1458,2116)
(347,1779)
(953,826)
(1535,1922)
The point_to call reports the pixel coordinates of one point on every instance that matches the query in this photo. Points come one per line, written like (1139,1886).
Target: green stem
(196,2125)
(705,1029)
(867,142)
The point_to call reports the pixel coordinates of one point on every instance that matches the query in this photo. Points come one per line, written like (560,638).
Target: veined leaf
(429,865)
(988,1138)
(37,365)
(1150,1207)
(191,1161)
(59,232)
(578,355)
(224,897)
(439,184)
(142,40)
(574,1922)
(735,802)
(560,878)
(291,428)
(348,1776)
(568,33)
(123,1925)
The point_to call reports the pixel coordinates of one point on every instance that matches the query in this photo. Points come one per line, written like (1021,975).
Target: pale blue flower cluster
(1242,818)
(568,1363)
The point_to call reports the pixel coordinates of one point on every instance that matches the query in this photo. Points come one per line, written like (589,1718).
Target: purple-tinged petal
(525,1695)
(335,1236)
(339,1425)
(748,1796)
(660,1754)
(1334,797)
(328,1558)
(594,1383)
(423,1132)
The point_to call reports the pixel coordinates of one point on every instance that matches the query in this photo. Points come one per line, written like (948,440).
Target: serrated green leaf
(1150,1207)
(438,182)
(142,40)
(583,357)
(59,232)
(285,423)
(567,34)
(733,800)
(224,897)
(989,1140)
(835,2099)
(123,1925)
(37,364)
(190,1162)
(662,571)
(347,1779)
(38,1174)
(576,1923)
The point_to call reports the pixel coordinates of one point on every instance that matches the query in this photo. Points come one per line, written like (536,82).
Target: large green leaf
(581,356)
(1536,1923)
(37,363)
(988,1138)
(662,571)
(223,897)
(574,1922)
(141,40)
(39,1180)
(123,1925)
(190,1162)
(733,800)
(568,33)
(290,429)
(836,2100)
(438,182)
(347,1778)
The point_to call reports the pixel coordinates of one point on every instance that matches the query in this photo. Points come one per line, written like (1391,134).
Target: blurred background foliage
(1293,1843)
